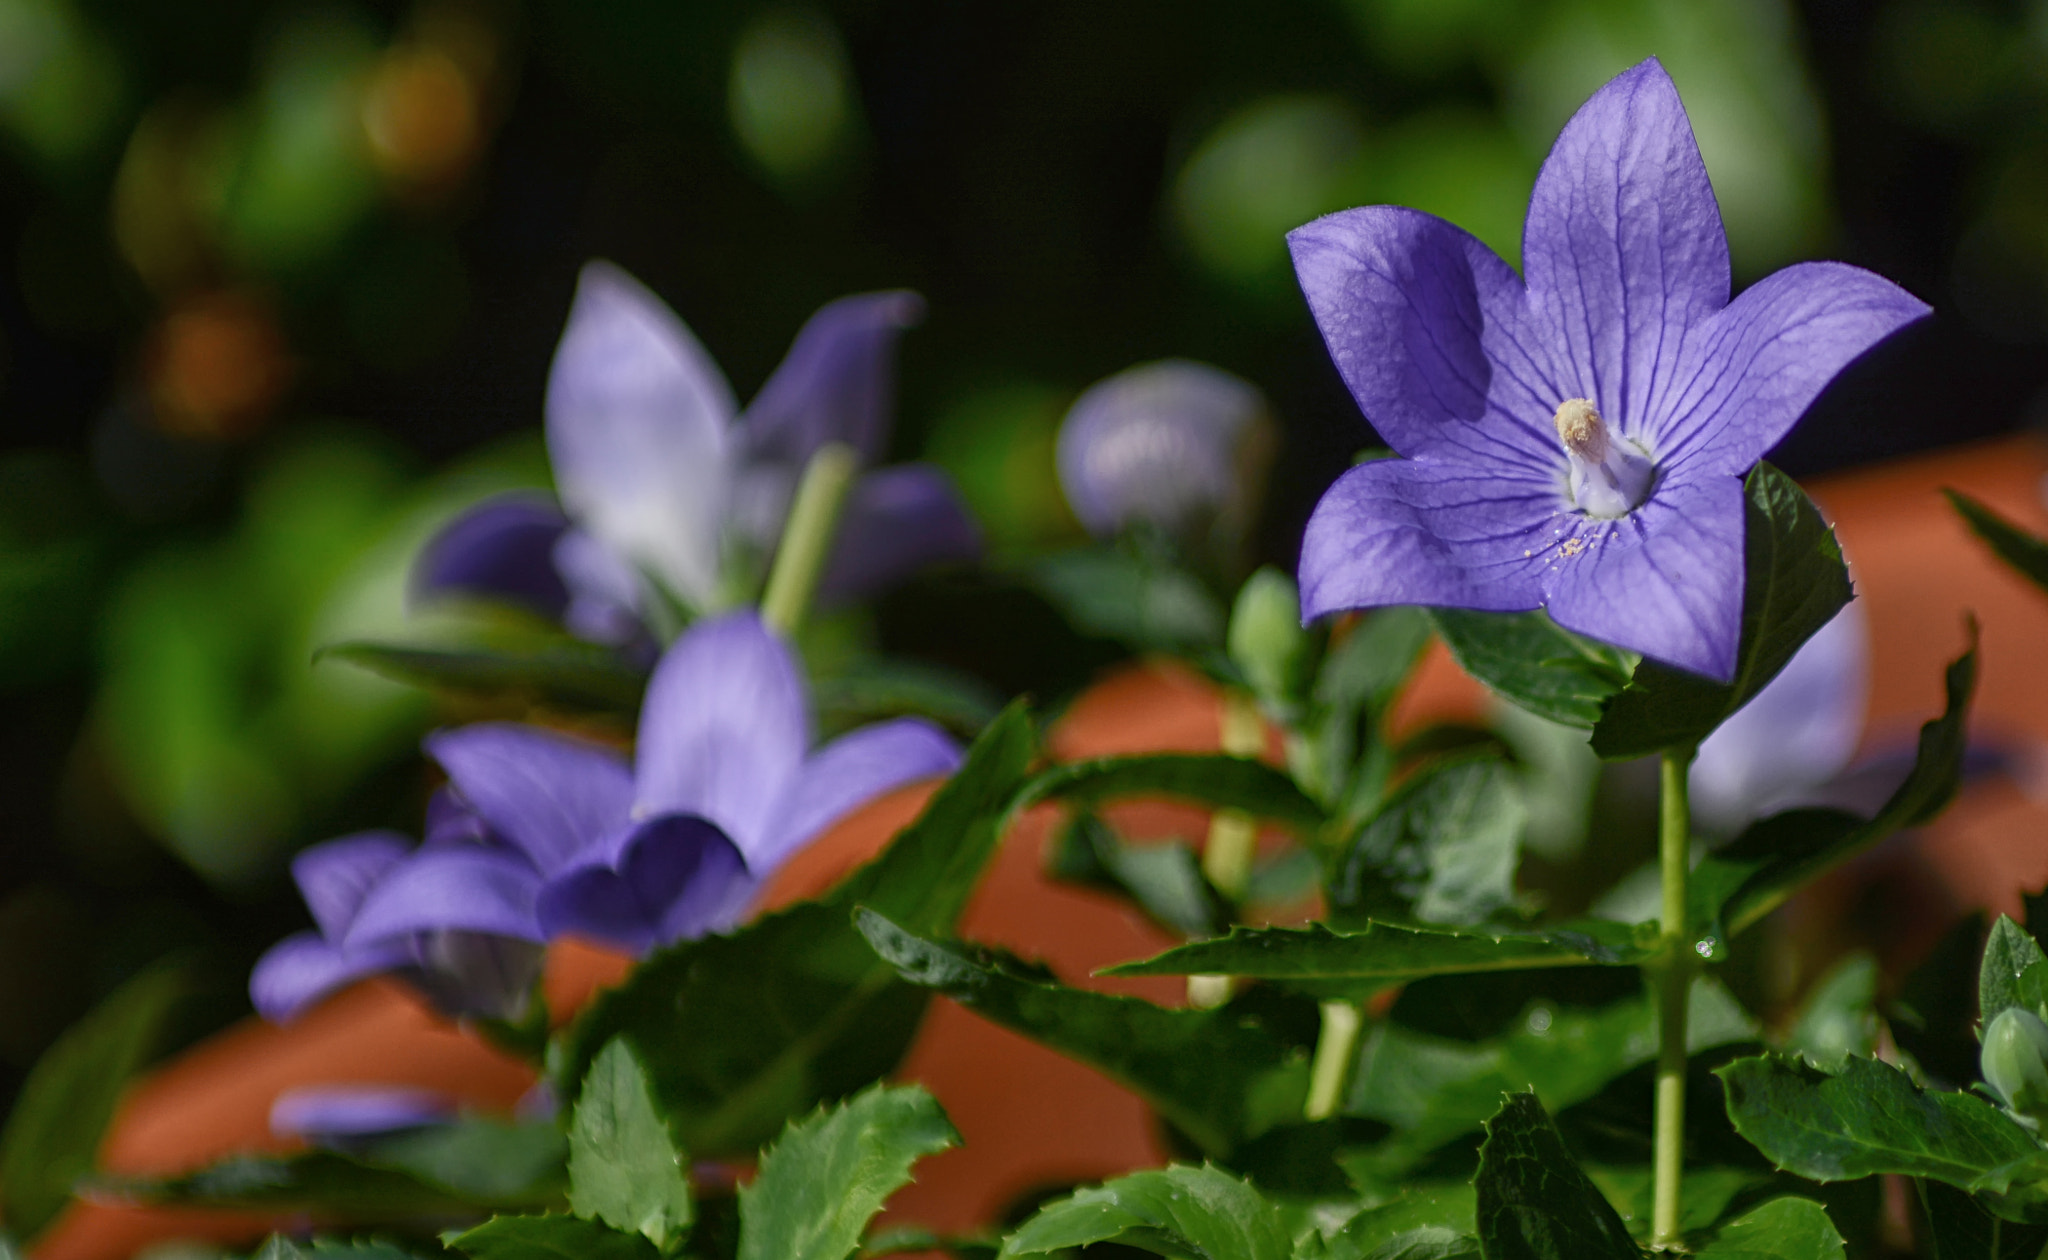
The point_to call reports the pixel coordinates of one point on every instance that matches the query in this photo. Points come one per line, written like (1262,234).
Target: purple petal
(442,889)
(326,1113)
(303,968)
(500,549)
(1399,531)
(552,796)
(1432,335)
(1665,580)
(847,773)
(897,520)
(837,383)
(1624,247)
(604,591)
(678,876)
(724,726)
(476,975)
(1793,736)
(450,820)
(637,424)
(1761,362)
(335,876)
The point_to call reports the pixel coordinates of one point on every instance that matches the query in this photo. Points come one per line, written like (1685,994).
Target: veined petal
(503,549)
(836,384)
(303,968)
(1666,580)
(336,875)
(638,420)
(470,890)
(847,773)
(897,520)
(551,795)
(724,725)
(1401,531)
(1624,247)
(1432,334)
(1752,370)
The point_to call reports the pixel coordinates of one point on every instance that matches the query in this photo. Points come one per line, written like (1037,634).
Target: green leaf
(1783,1229)
(1708,1192)
(1422,1217)
(1795,582)
(1870,1118)
(871,688)
(2025,553)
(739,1032)
(1265,639)
(341,1188)
(831,1172)
(1361,673)
(1367,667)
(1218,1075)
(2014,972)
(1538,664)
(68,1100)
(492,1163)
(1146,604)
(1205,779)
(1443,850)
(279,1247)
(1426,1242)
(1750,877)
(1534,1202)
(550,1237)
(1377,955)
(1164,877)
(1179,1212)
(1963,1230)
(625,1167)
(557,669)
(1839,1018)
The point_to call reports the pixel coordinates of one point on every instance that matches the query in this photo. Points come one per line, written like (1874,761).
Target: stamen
(1580,428)
(1608,475)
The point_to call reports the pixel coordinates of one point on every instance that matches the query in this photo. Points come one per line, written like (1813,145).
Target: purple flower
(543,834)
(347,1116)
(1576,443)
(664,481)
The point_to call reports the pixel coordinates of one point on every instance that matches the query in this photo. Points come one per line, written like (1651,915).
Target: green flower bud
(2015,1062)
(1266,639)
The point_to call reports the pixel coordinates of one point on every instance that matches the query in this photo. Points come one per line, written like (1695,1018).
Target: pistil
(1609,475)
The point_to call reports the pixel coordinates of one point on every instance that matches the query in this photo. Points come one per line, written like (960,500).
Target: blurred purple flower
(345,1116)
(1175,445)
(1576,443)
(663,479)
(543,834)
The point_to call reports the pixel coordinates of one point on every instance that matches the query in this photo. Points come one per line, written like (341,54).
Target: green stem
(1674,978)
(1233,840)
(807,537)
(1336,1049)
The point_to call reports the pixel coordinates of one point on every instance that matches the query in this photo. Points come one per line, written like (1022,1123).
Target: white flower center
(1610,475)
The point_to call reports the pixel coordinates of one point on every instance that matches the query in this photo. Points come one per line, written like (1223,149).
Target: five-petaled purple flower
(1574,443)
(541,834)
(664,481)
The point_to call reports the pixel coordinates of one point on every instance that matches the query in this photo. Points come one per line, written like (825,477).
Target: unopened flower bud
(2015,1062)
(1266,640)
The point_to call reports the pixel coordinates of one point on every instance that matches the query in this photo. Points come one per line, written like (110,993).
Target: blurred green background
(285,280)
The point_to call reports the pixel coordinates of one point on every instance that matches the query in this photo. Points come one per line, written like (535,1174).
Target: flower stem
(1330,1070)
(1233,834)
(807,537)
(1674,978)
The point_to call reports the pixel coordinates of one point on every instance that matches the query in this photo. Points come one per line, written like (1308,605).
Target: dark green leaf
(1179,1212)
(1534,1202)
(1443,850)
(279,1247)
(1445,1206)
(1380,954)
(831,1172)
(1217,1075)
(494,1163)
(554,668)
(1425,1242)
(1752,876)
(1962,1230)
(870,688)
(1783,1229)
(738,1033)
(1143,603)
(551,1237)
(1934,1016)
(1840,1015)
(2014,973)
(1708,1192)
(625,1167)
(1203,778)
(68,1099)
(1163,877)
(340,1187)
(1795,584)
(1538,664)
(2027,554)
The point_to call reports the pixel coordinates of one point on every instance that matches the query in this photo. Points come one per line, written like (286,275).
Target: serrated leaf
(1215,780)
(1783,1229)
(1376,955)
(1180,1212)
(1794,583)
(1217,1075)
(1443,849)
(829,1173)
(737,1033)
(2026,554)
(2014,973)
(625,1167)
(1750,877)
(65,1105)
(1441,1208)
(1531,660)
(557,669)
(1534,1202)
(550,1237)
